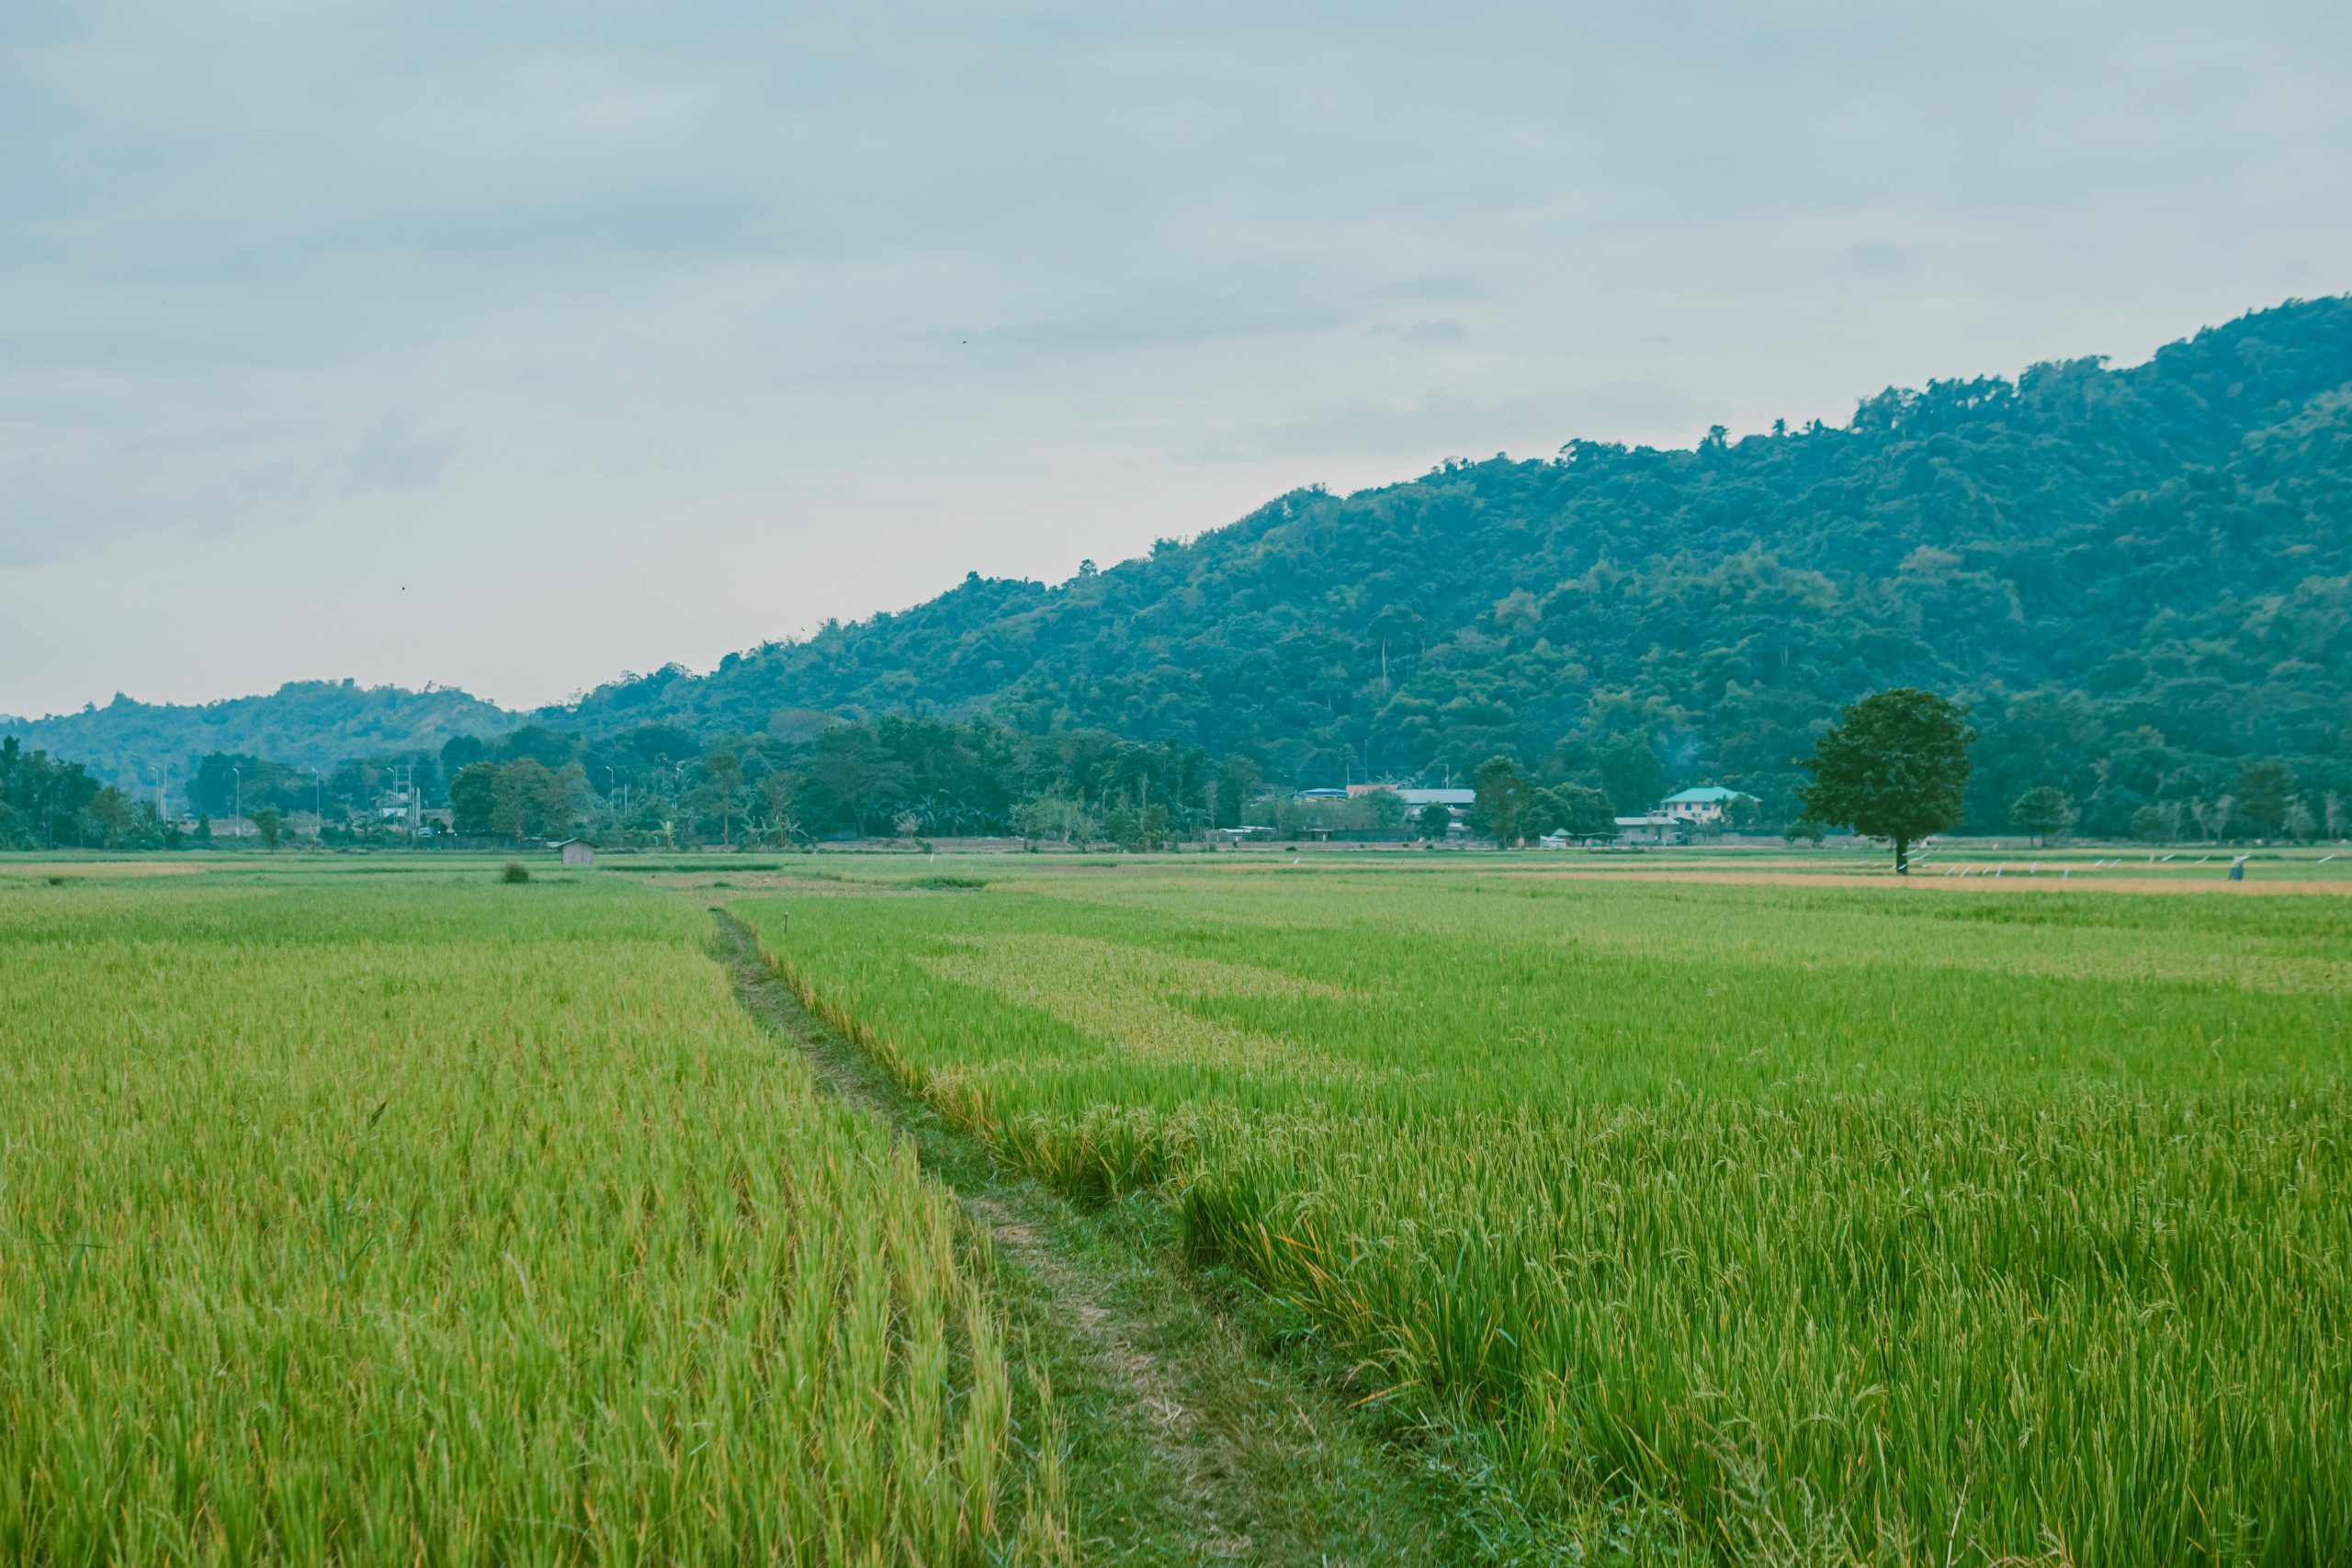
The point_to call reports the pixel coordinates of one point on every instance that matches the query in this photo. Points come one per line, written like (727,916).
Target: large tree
(2266,794)
(473,799)
(1894,766)
(1572,809)
(1503,797)
(1631,774)
(521,797)
(722,777)
(1237,784)
(2042,811)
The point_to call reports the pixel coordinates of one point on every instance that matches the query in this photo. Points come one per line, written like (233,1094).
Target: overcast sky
(516,346)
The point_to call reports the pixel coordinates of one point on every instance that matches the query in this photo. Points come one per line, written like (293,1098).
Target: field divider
(1189,1437)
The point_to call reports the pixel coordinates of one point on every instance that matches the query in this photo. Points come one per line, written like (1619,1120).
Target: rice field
(1879,1224)
(421,1218)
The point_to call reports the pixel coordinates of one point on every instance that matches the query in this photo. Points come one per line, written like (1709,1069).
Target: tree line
(895,777)
(2137,578)
(46,803)
(919,779)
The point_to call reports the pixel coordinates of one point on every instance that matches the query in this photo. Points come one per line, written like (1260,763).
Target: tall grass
(425,1221)
(1869,1226)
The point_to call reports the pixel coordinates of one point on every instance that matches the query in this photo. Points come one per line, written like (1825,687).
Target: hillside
(2140,578)
(304,723)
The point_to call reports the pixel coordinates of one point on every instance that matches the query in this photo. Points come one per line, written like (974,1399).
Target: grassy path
(1187,1443)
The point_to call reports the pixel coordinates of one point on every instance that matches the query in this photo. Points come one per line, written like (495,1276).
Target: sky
(513,346)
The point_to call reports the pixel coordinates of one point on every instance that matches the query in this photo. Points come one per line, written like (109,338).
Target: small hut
(575,852)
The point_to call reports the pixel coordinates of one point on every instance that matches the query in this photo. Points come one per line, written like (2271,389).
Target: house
(1453,799)
(574,851)
(1708,803)
(1650,828)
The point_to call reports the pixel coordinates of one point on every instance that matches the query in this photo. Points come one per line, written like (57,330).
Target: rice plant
(402,1220)
(1869,1225)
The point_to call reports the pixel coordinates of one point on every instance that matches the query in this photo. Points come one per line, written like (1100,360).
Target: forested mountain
(2140,579)
(302,724)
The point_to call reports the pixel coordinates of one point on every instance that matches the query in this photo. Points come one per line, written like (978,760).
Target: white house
(1453,799)
(1708,803)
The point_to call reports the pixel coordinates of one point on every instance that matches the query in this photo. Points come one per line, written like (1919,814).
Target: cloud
(1435,289)
(680,260)
(68,491)
(1877,257)
(1163,318)
(1445,424)
(397,455)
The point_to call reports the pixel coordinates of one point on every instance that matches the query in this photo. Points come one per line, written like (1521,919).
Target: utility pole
(240,796)
(319,804)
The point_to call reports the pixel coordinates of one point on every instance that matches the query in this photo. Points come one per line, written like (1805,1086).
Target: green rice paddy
(1883,1224)
(419,1220)
(1758,1209)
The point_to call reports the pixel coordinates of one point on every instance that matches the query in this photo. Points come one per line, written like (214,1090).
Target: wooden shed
(575,852)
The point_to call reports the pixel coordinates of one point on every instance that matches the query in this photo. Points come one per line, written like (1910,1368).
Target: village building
(1458,800)
(1705,805)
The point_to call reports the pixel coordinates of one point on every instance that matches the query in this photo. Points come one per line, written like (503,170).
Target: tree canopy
(2042,811)
(1894,766)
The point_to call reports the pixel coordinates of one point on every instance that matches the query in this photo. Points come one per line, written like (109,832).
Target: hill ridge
(2131,572)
